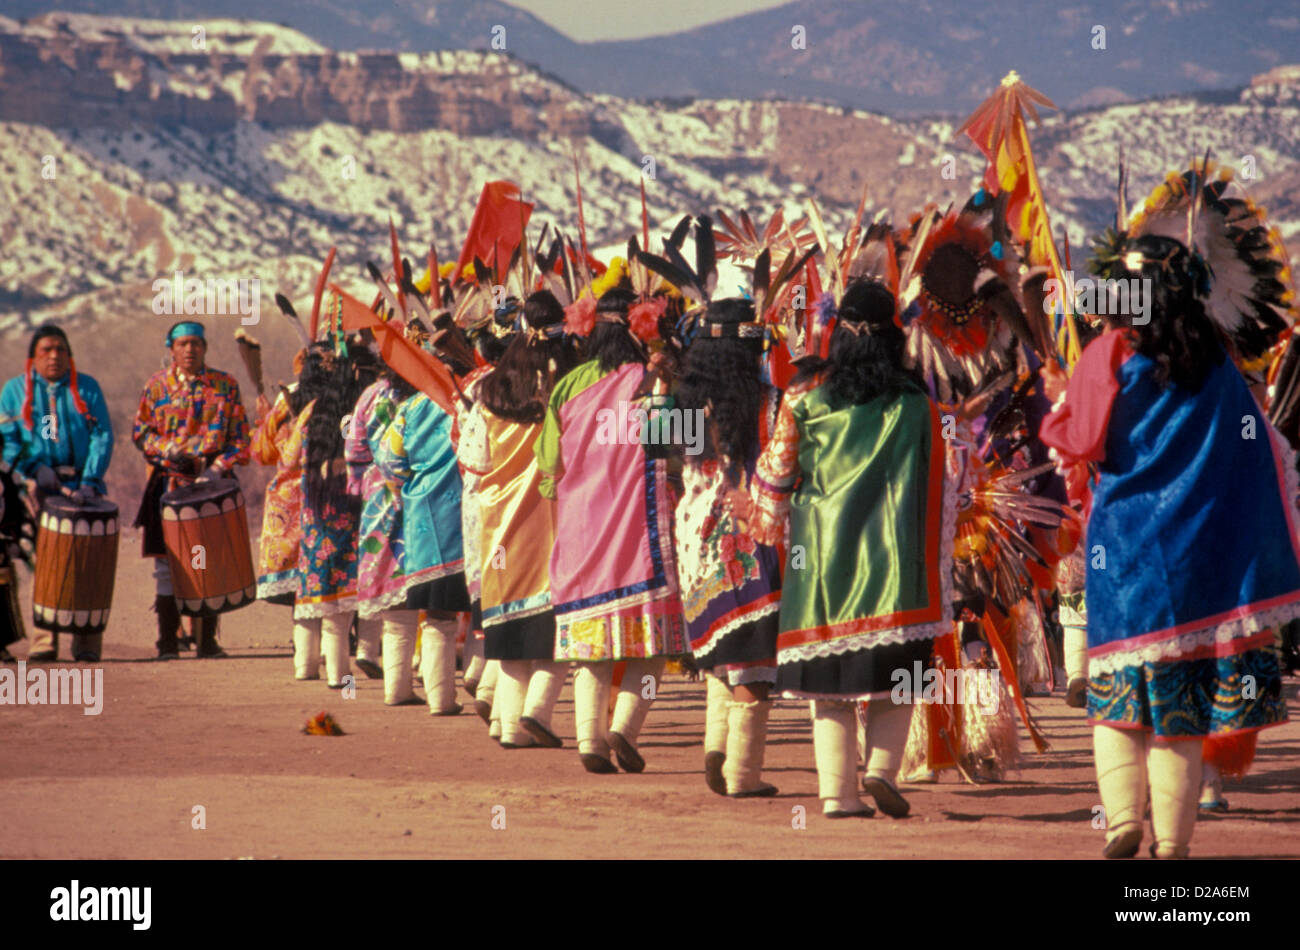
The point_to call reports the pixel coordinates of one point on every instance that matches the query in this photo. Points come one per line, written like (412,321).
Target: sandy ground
(225,735)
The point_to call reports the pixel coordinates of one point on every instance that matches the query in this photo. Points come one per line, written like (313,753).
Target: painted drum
(205,528)
(76,563)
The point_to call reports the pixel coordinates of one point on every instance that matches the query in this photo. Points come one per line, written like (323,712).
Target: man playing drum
(191,428)
(58,440)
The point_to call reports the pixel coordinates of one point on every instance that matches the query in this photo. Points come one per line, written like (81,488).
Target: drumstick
(251,353)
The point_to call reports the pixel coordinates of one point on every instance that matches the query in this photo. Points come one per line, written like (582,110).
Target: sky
(584,20)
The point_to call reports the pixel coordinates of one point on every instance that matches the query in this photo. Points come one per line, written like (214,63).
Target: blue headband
(188,328)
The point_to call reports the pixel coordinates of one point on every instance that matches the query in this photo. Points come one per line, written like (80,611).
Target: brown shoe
(1076,694)
(629,759)
(543,736)
(886,796)
(713,762)
(43,656)
(597,764)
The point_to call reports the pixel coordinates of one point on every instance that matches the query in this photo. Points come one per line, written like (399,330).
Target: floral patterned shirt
(199,417)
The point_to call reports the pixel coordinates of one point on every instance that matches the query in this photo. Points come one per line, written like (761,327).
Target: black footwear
(484,710)
(713,772)
(452,710)
(629,759)
(867,812)
(1125,844)
(371,669)
(6,656)
(87,656)
(886,796)
(471,687)
(1076,694)
(208,648)
(169,623)
(762,791)
(543,736)
(411,700)
(43,656)
(597,764)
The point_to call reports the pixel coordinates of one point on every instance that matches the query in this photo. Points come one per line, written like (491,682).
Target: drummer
(58,439)
(191,428)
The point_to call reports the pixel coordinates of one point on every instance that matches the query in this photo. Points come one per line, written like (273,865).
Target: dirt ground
(225,734)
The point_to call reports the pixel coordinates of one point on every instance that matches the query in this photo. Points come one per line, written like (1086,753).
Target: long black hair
(864,365)
(612,344)
(329,381)
(520,386)
(723,375)
(1179,336)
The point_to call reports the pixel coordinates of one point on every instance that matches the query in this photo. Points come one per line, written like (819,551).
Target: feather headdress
(1251,295)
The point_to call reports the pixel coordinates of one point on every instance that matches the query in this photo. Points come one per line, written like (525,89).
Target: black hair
(1179,336)
(43,331)
(520,386)
(330,382)
(723,374)
(863,366)
(613,344)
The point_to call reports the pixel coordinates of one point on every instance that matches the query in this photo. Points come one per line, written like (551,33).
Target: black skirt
(448,594)
(527,638)
(854,674)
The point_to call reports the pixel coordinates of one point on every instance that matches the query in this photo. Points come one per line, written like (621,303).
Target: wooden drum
(76,562)
(205,528)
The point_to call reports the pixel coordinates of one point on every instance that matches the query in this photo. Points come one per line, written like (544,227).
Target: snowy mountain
(922,56)
(127,154)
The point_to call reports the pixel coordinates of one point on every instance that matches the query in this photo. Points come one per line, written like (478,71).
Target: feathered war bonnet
(1236,260)
(955,261)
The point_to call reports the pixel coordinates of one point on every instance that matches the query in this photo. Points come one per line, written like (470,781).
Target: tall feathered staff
(998,128)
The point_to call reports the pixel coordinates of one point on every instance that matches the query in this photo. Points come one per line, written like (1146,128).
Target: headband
(539,334)
(185,328)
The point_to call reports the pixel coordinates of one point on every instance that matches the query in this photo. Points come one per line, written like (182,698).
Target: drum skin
(205,528)
(76,564)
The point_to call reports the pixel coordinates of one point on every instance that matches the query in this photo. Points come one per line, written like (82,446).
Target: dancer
(381,575)
(730,585)
(1194,535)
(327,557)
(277,560)
(518,524)
(612,570)
(489,339)
(416,457)
(857,463)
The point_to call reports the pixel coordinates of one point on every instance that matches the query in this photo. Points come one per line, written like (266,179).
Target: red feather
(414,364)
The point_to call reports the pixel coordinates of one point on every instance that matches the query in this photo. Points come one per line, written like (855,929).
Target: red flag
(497,227)
(414,364)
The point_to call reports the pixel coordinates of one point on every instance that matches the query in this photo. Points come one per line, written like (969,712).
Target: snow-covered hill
(126,155)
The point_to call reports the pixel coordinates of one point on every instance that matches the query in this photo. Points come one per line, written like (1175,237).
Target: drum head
(198,493)
(64,507)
